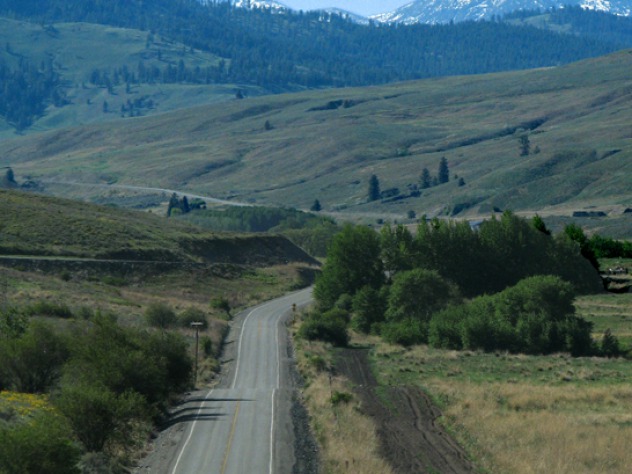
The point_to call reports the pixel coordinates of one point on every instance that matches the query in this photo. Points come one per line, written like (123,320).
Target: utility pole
(196,325)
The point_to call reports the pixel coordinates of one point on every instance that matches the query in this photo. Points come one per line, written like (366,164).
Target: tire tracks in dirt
(411,440)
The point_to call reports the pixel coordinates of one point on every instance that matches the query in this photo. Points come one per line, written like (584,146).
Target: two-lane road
(243,425)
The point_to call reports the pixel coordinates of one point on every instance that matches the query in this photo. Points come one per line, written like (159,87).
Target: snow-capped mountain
(260,4)
(445,11)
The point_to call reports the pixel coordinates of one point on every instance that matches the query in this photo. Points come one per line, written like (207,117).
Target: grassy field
(326,144)
(531,414)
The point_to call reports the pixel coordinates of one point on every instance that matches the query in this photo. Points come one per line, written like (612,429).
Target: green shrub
(406,332)
(330,326)
(340,397)
(48,308)
(160,315)
(42,444)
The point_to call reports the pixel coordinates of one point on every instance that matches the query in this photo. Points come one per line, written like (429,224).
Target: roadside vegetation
(92,355)
(525,354)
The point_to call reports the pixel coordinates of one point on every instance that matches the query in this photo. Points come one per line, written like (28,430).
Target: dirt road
(410,438)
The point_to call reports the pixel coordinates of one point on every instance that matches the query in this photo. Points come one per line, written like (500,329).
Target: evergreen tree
(316,207)
(425,181)
(525,145)
(374,188)
(184,205)
(174,203)
(444,172)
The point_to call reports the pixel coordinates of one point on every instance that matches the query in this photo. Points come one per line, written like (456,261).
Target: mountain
(552,140)
(446,11)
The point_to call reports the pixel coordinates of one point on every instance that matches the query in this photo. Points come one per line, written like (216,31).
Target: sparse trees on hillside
(425,180)
(443,175)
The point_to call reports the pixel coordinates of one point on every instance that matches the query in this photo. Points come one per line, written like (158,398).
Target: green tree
(99,416)
(425,180)
(576,234)
(42,444)
(538,223)
(330,326)
(610,344)
(417,294)
(160,315)
(443,175)
(374,188)
(369,306)
(316,207)
(353,261)
(525,145)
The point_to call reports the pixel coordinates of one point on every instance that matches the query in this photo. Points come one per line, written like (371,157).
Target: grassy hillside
(35,225)
(76,50)
(291,149)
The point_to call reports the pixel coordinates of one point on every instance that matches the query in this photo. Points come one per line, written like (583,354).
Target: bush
(41,445)
(340,397)
(48,308)
(160,315)
(406,332)
(330,326)
(99,416)
(192,315)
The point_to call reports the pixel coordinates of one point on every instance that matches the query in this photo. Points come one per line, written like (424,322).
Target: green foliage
(610,344)
(353,261)
(192,315)
(99,416)
(48,308)
(316,207)
(536,316)
(150,363)
(605,247)
(576,234)
(443,174)
(340,397)
(406,332)
(160,315)
(374,188)
(43,444)
(221,303)
(13,323)
(396,249)
(369,306)
(33,361)
(330,326)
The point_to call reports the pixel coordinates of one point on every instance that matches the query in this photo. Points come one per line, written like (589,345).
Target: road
(243,425)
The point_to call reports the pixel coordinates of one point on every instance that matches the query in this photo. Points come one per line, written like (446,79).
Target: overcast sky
(363,7)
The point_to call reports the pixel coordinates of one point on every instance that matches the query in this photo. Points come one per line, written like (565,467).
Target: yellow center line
(230,438)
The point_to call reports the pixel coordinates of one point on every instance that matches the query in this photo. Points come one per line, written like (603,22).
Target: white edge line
(270,469)
(241,336)
(175,467)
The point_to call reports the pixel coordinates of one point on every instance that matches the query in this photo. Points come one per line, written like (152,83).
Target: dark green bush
(160,315)
(330,326)
(192,315)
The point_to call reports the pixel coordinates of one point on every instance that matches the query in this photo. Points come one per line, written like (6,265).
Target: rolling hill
(290,149)
(46,226)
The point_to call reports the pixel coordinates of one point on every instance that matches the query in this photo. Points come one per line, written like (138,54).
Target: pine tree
(425,181)
(444,172)
(374,188)
(316,207)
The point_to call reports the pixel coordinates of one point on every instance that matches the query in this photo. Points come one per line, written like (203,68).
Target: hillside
(68,62)
(291,149)
(104,73)
(47,226)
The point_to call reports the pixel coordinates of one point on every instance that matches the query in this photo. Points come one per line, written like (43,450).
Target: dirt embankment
(411,440)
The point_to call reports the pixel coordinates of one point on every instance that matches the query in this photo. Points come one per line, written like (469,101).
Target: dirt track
(410,439)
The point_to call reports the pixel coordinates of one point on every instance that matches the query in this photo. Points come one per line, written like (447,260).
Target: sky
(363,7)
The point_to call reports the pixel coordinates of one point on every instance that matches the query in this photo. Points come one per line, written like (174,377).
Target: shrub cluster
(408,289)
(107,383)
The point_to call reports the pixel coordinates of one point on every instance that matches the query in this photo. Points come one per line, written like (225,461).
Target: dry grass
(347,439)
(534,429)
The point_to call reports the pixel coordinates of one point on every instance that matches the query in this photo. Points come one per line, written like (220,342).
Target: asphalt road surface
(242,426)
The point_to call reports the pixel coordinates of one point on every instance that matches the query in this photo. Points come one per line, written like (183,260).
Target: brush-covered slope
(292,149)
(38,225)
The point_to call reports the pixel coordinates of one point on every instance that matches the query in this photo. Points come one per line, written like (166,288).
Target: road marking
(270,469)
(175,467)
(241,336)
(230,438)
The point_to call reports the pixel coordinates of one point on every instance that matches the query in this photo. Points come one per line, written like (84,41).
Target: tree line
(506,285)
(316,49)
